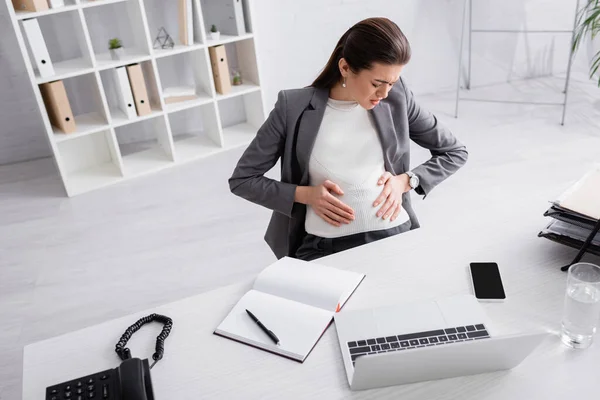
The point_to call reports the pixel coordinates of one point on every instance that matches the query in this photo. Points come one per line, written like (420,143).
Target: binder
(58,106)
(186,23)
(220,69)
(38,47)
(56,3)
(30,5)
(124,95)
(138,89)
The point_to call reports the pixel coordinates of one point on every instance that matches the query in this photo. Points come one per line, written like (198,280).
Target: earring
(344,83)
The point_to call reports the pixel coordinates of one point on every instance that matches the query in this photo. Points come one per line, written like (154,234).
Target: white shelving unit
(108,148)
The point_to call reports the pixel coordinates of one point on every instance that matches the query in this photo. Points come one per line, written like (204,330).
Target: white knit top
(348,152)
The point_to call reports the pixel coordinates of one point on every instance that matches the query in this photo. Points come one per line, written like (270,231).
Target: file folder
(38,47)
(570,217)
(30,5)
(124,94)
(576,216)
(220,69)
(58,106)
(186,22)
(138,89)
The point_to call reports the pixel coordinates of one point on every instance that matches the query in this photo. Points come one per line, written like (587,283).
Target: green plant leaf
(115,43)
(588,21)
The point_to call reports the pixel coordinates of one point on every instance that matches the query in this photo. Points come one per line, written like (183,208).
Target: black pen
(264,328)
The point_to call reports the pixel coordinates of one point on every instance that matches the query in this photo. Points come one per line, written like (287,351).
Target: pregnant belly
(360,198)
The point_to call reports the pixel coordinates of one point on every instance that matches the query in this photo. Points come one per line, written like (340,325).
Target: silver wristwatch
(413,179)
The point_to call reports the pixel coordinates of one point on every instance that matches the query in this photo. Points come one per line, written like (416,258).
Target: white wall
(296,37)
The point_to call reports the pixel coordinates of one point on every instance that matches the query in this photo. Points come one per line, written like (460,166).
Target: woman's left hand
(391,195)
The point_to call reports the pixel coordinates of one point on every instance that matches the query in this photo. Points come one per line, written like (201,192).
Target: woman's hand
(331,209)
(391,195)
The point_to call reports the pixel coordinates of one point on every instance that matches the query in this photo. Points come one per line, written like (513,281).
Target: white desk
(422,264)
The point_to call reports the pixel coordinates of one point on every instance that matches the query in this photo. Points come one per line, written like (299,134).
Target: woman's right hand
(331,209)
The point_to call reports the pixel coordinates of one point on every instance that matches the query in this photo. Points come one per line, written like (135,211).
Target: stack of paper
(575,213)
(179,93)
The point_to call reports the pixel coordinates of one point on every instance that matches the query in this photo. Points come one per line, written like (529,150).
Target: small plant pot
(117,54)
(215,35)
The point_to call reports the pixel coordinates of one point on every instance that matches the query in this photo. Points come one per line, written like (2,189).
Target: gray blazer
(289,133)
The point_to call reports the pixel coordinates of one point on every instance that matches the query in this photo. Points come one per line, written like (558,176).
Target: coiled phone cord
(124,352)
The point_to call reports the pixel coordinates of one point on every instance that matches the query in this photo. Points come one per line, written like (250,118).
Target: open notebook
(294,299)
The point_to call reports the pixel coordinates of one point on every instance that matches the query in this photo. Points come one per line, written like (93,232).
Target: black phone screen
(486,281)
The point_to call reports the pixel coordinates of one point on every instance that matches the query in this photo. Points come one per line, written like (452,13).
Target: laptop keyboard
(415,340)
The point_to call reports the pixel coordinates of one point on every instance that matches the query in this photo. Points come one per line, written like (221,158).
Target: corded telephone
(130,381)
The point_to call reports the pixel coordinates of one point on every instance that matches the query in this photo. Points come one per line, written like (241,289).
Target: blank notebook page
(297,326)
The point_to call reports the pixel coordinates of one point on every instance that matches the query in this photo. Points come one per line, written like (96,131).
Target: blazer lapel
(390,142)
(307,131)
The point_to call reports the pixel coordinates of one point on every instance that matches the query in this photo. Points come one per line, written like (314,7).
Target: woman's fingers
(384,178)
(397,211)
(386,208)
(328,217)
(384,195)
(344,209)
(333,187)
(338,214)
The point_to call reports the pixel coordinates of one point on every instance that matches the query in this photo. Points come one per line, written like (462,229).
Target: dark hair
(369,41)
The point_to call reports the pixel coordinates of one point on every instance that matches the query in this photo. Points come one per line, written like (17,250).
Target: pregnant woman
(344,149)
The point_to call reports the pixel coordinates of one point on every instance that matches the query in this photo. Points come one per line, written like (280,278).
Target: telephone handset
(134,380)
(130,381)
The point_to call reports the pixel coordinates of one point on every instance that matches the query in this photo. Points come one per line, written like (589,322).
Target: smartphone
(487,282)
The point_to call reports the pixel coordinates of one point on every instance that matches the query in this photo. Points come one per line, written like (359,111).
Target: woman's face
(370,86)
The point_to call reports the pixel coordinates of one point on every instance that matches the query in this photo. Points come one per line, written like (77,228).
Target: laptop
(424,341)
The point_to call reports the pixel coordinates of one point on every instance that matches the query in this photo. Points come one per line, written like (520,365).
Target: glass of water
(582,305)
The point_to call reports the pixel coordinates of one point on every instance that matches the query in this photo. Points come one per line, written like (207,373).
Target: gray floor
(69,263)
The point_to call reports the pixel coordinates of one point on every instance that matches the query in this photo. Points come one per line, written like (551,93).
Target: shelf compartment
(195,132)
(85,100)
(96,3)
(241,117)
(241,57)
(65,40)
(109,84)
(226,39)
(69,6)
(121,20)
(222,14)
(191,70)
(145,146)
(165,14)
(89,162)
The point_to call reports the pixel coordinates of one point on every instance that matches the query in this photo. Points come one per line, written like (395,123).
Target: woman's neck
(339,93)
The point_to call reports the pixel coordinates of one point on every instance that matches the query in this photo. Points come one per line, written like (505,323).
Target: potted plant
(588,25)
(214,33)
(236,78)
(115,46)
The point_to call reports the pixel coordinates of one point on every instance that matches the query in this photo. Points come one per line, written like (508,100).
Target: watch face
(414,182)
